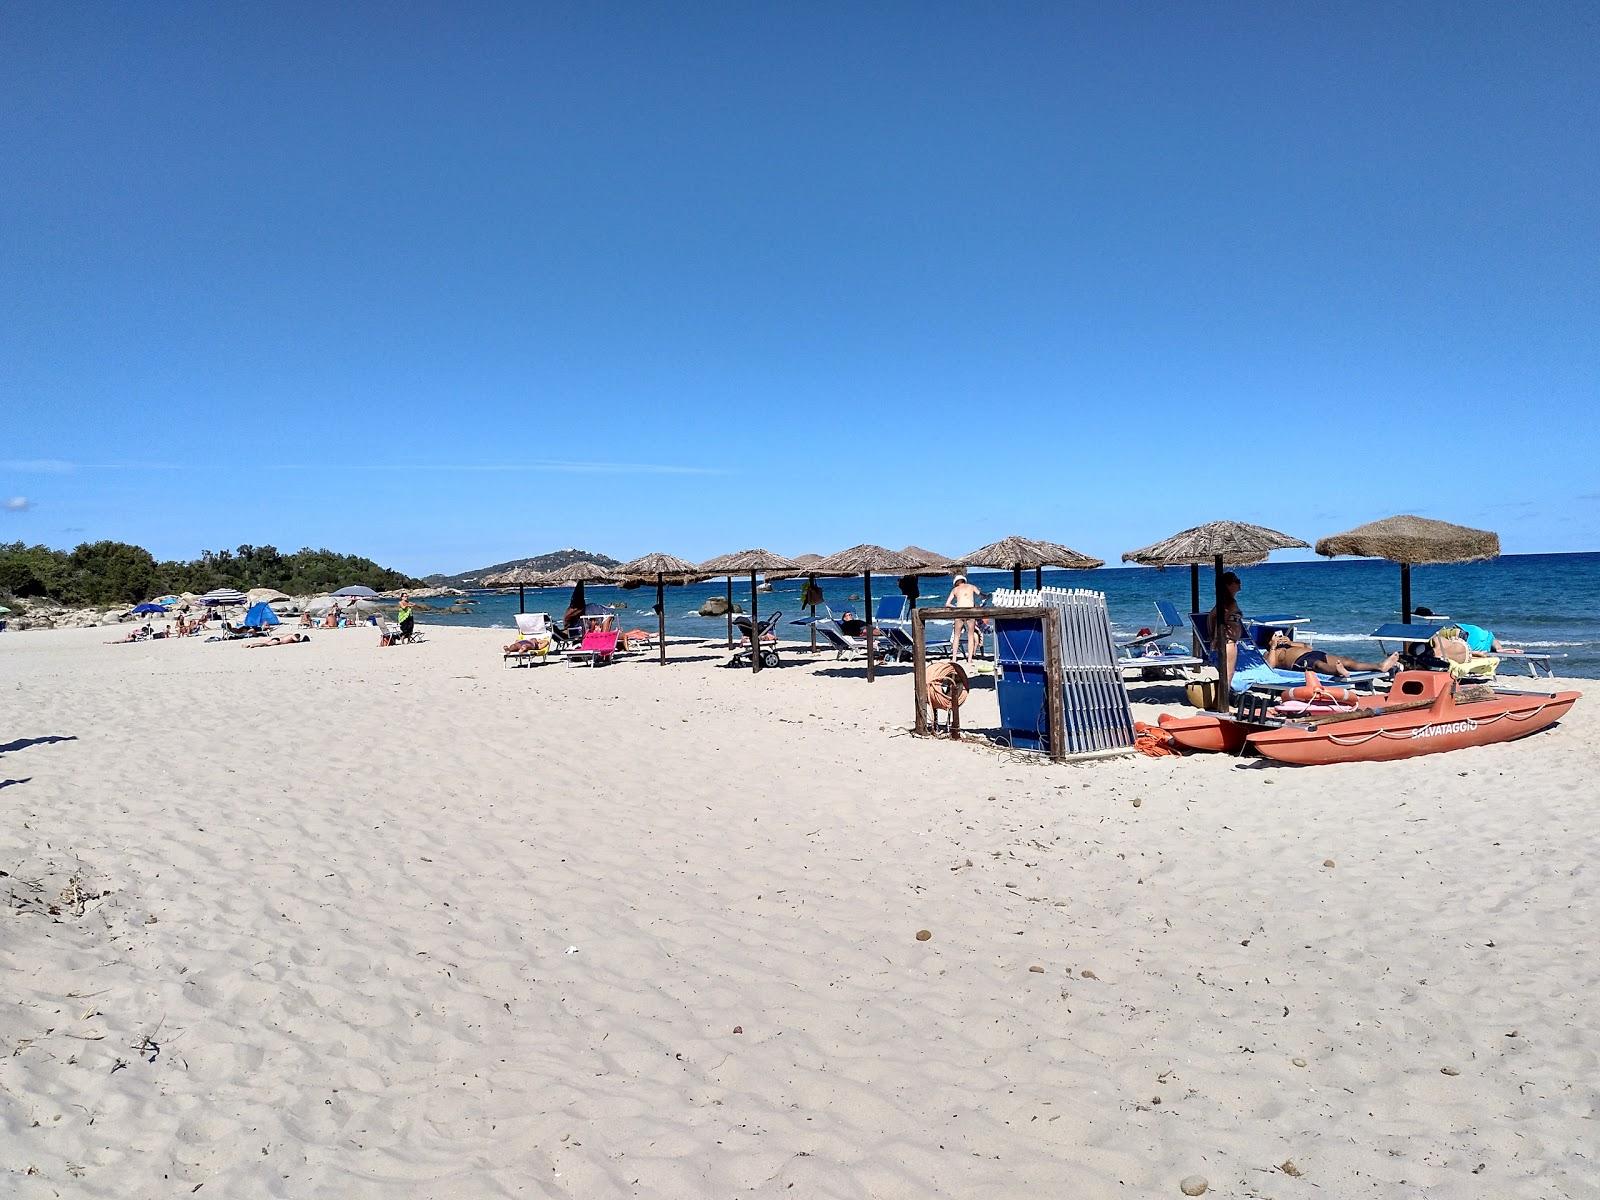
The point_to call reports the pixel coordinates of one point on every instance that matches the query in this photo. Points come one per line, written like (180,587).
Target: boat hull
(1207,732)
(1445,725)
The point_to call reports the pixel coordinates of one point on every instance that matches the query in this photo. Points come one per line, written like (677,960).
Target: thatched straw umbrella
(864,560)
(1222,543)
(520,578)
(1407,540)
(660,566)
(737,564)
(575,575)
(1016,553)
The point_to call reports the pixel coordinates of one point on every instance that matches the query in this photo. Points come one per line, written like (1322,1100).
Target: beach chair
(1250,669)
(599,646)
(769,640)
(893,610)
(1171,622)
(845,645)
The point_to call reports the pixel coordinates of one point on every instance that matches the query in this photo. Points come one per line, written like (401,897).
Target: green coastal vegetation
(109,573)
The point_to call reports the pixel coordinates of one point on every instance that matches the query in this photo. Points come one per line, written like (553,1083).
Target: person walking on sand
(964,595)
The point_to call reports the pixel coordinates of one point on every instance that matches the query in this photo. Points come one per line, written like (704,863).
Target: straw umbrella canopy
(520,578)
(1222,543)
(1015,554)
(574,575)
(659,566)
(863,560)
(1406,540)
(738,563)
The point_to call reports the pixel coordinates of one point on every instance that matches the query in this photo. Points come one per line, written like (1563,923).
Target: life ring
(1316,693)
(947,686)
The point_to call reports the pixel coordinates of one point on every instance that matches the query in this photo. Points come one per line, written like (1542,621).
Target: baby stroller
(769,654)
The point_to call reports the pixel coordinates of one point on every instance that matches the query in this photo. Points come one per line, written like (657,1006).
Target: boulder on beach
(715,606)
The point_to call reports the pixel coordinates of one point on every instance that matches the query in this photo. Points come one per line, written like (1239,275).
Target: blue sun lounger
(1411,635)
(1251,672)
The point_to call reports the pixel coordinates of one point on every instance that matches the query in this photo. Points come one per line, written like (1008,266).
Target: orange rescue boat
(1423,713)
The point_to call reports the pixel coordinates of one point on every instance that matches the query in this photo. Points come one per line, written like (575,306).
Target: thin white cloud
(37,466)
(546,465)
(16,504)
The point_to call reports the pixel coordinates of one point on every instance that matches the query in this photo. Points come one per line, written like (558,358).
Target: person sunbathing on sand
(1286,654)
(291,640)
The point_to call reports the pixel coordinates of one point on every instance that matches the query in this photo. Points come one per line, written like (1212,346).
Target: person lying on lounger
(1477,642)
(1286,654)
(291,640)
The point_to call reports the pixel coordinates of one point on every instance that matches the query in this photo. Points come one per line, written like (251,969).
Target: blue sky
(446,285)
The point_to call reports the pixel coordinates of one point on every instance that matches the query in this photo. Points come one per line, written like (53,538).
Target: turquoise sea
(1547,601)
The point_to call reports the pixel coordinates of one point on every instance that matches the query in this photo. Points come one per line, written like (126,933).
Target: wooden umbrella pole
(872,640)
(1016,578)
(1405,593)
(811,583)
(522,598)
(1220,645)
(730,612)
(1038,579)
(755,627)
(661,618)
(1194,601)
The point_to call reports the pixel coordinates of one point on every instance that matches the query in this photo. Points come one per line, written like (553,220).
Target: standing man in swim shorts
(964,595)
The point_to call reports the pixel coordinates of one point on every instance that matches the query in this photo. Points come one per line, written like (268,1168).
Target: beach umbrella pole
(1038,579)
(730,612)
(872,640)
(522,598)
(661,618)
(755,627)
(1220,645)
(811,583)
(1016,579)
(1194,599)
(1405,593)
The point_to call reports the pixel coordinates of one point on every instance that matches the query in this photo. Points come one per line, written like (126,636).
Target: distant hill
(539,562)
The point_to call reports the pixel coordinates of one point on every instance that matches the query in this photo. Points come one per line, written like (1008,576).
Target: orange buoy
(947,686)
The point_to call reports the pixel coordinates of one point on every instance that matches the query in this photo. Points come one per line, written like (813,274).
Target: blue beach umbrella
(141,609)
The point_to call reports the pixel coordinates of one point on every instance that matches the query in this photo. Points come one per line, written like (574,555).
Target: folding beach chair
(599,646)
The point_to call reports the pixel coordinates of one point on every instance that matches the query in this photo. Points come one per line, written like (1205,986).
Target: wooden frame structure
(1049,618)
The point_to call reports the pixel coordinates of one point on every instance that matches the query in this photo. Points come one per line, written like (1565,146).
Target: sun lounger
(1171,623)
(599,646)
(1251,672)
(845,645)
(1418,633)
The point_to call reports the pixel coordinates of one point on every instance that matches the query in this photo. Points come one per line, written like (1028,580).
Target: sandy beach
(330,920)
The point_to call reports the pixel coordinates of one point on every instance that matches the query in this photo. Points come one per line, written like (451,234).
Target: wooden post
(522,598)
(919,670)
(1405,593)
(1194,603)
(755,627)
(872,640)
(661,618)
(1054,686)
(811,582)
(730,612)
(1038,579)
(1221,646)
(1016,578)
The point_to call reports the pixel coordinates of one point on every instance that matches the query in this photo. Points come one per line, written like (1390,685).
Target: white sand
(343,883)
